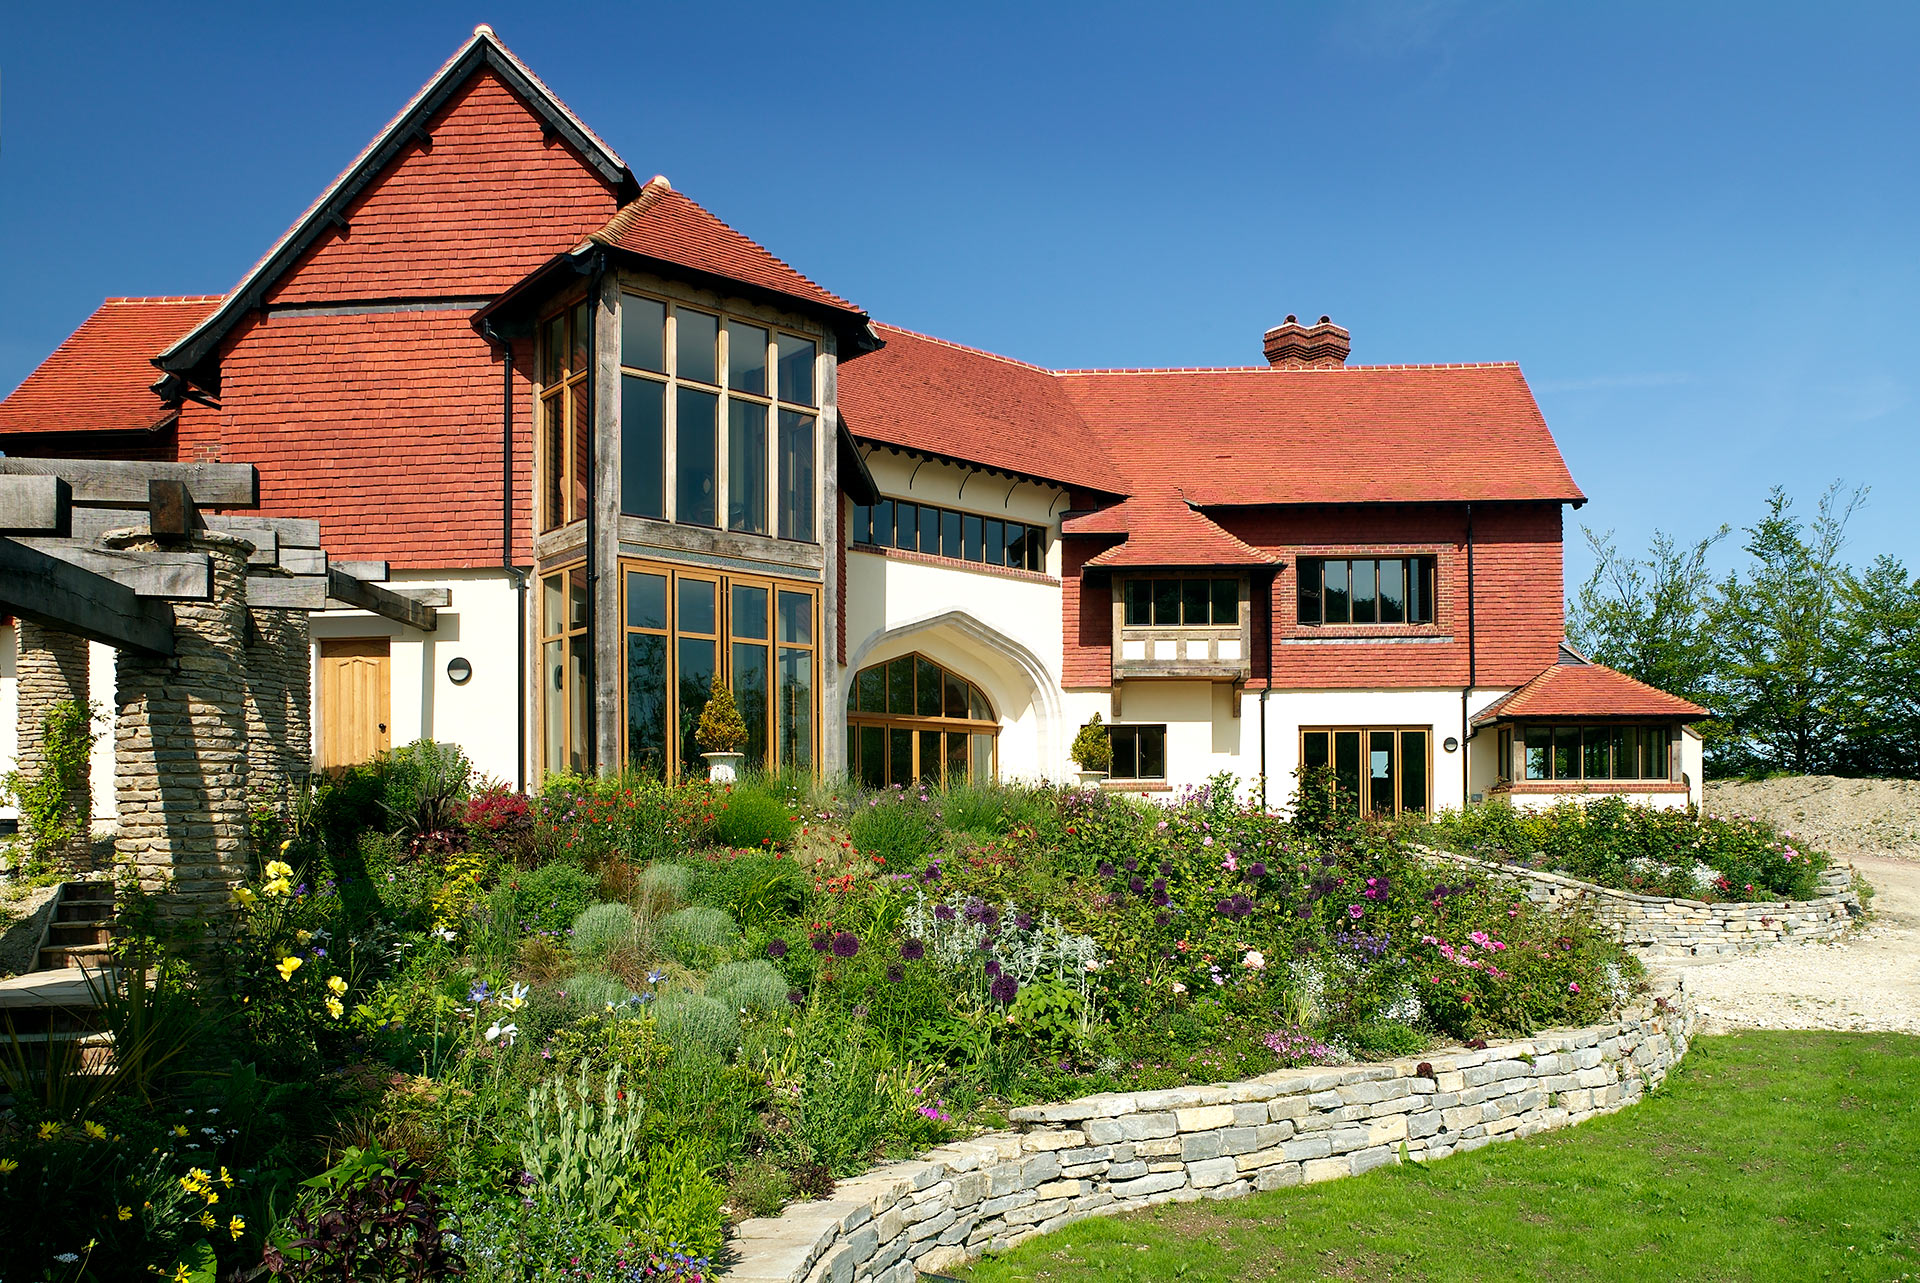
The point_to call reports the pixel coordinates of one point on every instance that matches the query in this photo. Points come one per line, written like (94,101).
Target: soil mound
(1844,818)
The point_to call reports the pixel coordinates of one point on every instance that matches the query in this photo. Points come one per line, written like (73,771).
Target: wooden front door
(354,700)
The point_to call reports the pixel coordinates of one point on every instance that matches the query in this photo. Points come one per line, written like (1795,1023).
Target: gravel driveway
(1869,980)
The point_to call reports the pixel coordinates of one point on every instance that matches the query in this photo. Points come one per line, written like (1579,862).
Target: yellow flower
(303,935)
(334,1008)
(94,1130)
(279,886)
(236,1227)
(287,966)
(226,1178)
(182,1275)
(337,985)
(244,897)
(49,1131)
(279,870)
(284,845)
(207,1221)
(213,1196)
(8,1165)
(126,1213)
(179,1129)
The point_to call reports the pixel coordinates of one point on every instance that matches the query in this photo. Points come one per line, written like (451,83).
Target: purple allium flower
(845,944)
(1106,870)
(776,948)
(943,912)
(912,949)
(993,967)
(1159,884)
(1256,870)
(1137,885)
(797,998)
(1004,989)
(1162,899)
(1161,919)
(1235,907)
(1023,920)
(932,872)
(1132,865)
(820,941)
(896,973)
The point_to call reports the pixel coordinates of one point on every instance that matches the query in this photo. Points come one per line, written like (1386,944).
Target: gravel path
(1868,980)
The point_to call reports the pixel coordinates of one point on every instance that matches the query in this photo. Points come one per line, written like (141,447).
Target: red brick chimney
(1294,346)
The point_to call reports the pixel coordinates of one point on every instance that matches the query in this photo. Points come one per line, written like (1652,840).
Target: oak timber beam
(288,592)
(361,595)
(372,572)
(59,594)
(89,524)
(35,505)
(124,482)
(303,561)
(173,576)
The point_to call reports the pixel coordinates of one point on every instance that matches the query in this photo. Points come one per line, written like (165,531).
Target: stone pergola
(207,613)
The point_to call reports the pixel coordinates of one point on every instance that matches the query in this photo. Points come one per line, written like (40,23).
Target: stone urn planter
(1091,779)
(724,768)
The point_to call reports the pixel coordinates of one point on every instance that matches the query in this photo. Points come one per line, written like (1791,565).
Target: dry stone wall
(1106,1154)
(51,666)
(1659,928)
(279,702)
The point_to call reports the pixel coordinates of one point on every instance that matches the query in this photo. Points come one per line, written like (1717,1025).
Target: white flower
(1178,987)
(507,1033)
(1254,959)
(444,933)
(66,1258)
(516,999)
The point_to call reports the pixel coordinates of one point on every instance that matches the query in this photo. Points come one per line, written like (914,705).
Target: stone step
(84,911)
(69,934)
(54,957)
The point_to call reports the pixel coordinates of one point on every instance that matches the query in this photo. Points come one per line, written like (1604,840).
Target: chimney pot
(1293,346)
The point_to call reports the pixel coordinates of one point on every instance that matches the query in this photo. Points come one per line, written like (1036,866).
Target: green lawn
(1767,1156)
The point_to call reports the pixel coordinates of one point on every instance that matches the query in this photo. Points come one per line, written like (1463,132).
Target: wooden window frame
(1165,764)
(1518,770)
(1425,566)
(1240,605)
(1399,732)
(915,723)
(559,396)
(565,637)
(860,535)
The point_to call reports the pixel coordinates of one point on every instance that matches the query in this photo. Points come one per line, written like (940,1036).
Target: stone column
(180,746)
(279,700)
(52,668)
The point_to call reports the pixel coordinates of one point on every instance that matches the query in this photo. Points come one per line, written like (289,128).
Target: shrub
(694,1021)
(748,816)
(425,786)
(720,729)
(549,898)
(582,1153)
(900,826)
(664,887)
(754,984)
(602,928)
(1092,747)
(753,888)
(699,937)
(51,825)
(591,991)
(382,1228)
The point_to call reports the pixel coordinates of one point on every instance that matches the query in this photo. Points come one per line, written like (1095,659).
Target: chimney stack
(1294,346)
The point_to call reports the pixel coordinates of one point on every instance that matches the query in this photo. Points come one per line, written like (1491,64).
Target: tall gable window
(718,420)
(1366,590)
(911,719)
(564,341)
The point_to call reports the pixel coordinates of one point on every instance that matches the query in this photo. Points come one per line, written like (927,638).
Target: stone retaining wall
(1657,927)
(1101,1155)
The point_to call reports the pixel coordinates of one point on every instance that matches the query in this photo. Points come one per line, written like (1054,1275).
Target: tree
(1649,618)
(1780,691)
(1881,612)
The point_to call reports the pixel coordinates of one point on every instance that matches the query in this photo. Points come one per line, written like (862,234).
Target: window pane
(746,466)
(643,327)
(750,693)
(899,755)
(643,446)
(900,685)
(553,422)
(748,617)
(795,729)
(1226,601)
(1659,742)
(746,358)
(970,527)
(953,702)
(1380,772)
(883,519)
(796,475)
(1539,753)
(1194,598)
(1427,595)
(1313,750)
(696,606)
(1139,603)
(695,684)
(1621,746)
(553,668)
(1413,771)
(1335,600)
(581,613)
(982,758)
(577,420)
(646,600)
(582,336)
(694,439)
(553,351)
(1153,752)
(906,525)
(1393,592)
(995,545)
(860,530)
(796,617)
(1346,764)
(873,757)
(930,757)
(1566,752)
(950,545)
(1166,602)
(1362,588)
(1126,756)
(930,530)
(926,681)
(977,704)
(1037,549)
(1309,591)
(1016,545)
(1595,766)
(553,605)
(957,756)
(870,692)
(796,370)
(579,707)
(697,338)
(646,702)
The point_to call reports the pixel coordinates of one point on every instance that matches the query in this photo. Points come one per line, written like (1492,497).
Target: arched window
(911,719)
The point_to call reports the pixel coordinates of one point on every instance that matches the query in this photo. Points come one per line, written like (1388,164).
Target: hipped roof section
(1574,692)
(101,378)
(189,355)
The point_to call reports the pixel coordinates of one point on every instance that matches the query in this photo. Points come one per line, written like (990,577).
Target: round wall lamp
(1451,744)
(459,670)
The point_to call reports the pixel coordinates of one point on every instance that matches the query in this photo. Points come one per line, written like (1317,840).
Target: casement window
(1182,603)
(761,635)
(718,420)
(564,343)
(1380,770)
(565,662)
(1366,590)
(946,532)
(1581,753)
(910,719)
(1139,752)
(1503,756)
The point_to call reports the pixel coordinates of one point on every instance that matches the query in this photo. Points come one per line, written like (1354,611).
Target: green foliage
(754,984)
(990,809)
(720,729)
(700,936)
(592,991)
(1093,747)
(53,804)
(754,888)
(696,1022)
(583,1148)
(1047,1017)
(425,787)
(898,825)
(548,899)
(748,816)
(1650,618)
(600,929)
(675,1201)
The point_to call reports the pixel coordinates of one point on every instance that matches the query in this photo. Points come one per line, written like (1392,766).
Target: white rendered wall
(102,676)
(481,626)
(9,708)
(1543,801)
(1437,710)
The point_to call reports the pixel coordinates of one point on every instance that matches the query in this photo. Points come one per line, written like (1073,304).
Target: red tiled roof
(662,223)
(1161,529)
(101,378)
(936,397)
(1566,691)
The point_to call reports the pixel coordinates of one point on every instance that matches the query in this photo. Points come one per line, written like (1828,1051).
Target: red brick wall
(1086,612)
(488,204)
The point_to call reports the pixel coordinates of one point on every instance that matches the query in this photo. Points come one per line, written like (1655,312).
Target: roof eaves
(482,48)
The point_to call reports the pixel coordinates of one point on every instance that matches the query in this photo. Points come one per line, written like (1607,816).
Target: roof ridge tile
(964,347)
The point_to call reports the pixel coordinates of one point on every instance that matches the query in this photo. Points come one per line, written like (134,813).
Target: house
(639,450)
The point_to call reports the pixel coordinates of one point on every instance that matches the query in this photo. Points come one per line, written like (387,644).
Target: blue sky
(1694,226)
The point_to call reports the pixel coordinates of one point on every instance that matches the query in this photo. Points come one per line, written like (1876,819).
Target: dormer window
(1366,590)
(1183,603)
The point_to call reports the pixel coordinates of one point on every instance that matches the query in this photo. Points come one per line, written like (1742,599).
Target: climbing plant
(50,821)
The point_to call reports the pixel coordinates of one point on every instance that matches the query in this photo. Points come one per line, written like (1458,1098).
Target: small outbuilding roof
(1583,692)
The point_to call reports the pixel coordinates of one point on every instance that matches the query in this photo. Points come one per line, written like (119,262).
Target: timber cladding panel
(490,201)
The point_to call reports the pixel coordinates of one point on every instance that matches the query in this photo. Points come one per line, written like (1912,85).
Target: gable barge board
(123,482)
(35,506)
(174,576)
(59,594)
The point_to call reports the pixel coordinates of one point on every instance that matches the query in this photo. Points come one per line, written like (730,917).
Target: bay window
(564,413)
(565,664)
(1586,753)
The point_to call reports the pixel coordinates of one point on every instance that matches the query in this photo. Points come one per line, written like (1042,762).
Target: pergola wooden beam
(288,592)
(34,505)
(173,576)
(61,595)
(358,594)
(124,482)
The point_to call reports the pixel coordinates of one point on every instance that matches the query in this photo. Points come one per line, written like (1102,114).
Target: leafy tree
(1780,690)
(1881,612)
(1649,617)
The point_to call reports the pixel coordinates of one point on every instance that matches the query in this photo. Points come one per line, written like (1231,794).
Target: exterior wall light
(1451,744)
(459,670)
